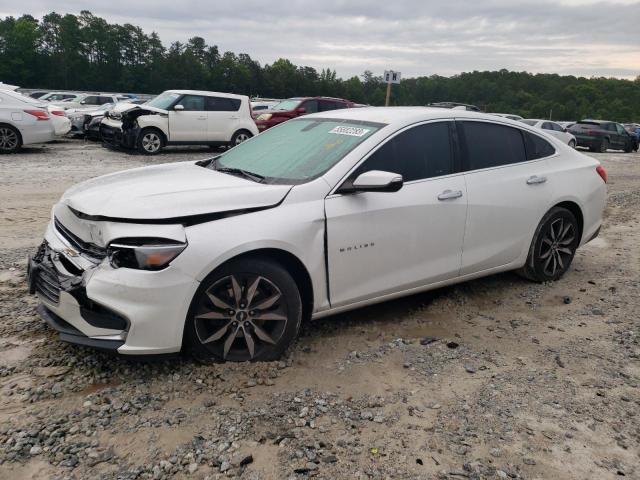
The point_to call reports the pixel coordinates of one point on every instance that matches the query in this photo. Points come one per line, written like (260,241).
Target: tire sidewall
(141,135)
(534,263)
(232,143)
(604,146)
(272,271)
(19,144)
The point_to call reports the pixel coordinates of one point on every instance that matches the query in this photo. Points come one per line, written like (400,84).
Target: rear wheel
(604,146)
(10,140)
(247,310)
(150,141)
(572,143)
(553,247)
(239,137)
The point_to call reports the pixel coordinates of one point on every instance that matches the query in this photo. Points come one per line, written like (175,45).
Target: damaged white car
(180,117)
(328,212)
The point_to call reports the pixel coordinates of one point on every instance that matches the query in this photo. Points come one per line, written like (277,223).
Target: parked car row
(601,135)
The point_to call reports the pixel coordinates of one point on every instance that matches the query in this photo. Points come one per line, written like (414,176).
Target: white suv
(180,117)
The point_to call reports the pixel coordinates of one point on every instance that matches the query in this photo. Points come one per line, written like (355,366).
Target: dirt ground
(496,378)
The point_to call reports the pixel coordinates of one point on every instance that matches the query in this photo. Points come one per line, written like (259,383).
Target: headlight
(264,116)
(143,253)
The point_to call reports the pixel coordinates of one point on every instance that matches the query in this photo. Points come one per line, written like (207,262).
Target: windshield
(164,100)
(287,105)
(298,150)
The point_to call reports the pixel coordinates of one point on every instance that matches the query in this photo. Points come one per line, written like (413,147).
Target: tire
(150,141)
(604,146)
(247,310)
(572,143)
(10,139)
(239,137)
(628,148)
(553,246)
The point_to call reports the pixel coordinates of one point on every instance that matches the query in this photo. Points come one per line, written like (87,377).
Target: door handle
(535,180)
(202,118)
(234,118)
(450,195)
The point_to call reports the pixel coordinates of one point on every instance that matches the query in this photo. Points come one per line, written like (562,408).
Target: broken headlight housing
(143,253)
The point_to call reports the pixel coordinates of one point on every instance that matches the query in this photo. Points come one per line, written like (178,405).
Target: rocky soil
(494,379)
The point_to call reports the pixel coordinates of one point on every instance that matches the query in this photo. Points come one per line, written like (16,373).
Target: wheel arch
(163,135)
(575,209)
(292,264)
(5,124)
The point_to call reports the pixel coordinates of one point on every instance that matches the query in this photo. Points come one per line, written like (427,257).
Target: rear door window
(223,104)
(90,100)
(418,153)
(492,145)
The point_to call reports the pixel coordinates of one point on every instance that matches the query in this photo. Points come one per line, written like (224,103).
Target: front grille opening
(47,284)
(71,268)
(86,248)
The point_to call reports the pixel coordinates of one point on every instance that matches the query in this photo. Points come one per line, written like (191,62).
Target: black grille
(46,282)
(86,248)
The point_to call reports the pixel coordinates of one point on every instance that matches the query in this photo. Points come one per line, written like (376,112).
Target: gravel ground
(496,378)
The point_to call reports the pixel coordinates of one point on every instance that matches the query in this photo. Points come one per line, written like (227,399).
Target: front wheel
(149,141)
(247,310)
(553,247)
(10,141)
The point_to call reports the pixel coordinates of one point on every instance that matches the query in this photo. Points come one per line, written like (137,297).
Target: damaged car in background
(86,121)
(180,117)
(226,257)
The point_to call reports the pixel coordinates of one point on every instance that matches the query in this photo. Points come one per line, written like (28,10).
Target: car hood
(170,191)
(127,107)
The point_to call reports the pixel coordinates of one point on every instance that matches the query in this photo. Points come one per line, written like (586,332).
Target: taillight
(602,172)
(59,113)
(39,114)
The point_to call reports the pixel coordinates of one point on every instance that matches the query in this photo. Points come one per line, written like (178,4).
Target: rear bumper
(38,132)
(588,142)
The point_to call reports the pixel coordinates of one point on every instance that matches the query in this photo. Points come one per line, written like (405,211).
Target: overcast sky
(416,37)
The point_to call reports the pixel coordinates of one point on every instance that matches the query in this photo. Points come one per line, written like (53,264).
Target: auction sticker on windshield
(351,131)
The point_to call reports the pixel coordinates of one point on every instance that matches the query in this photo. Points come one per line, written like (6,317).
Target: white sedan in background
(552,128)
(23,121)
(225,257)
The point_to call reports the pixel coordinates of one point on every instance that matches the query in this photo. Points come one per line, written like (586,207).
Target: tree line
(85,52)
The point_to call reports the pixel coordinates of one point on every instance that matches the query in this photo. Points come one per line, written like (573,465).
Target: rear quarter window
(537,147)
(223,104)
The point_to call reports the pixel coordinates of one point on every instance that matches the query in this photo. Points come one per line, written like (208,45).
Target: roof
(207,93)
(406,115)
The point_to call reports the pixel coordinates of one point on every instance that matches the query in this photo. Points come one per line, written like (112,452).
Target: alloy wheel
(239,315)
(8,139)
(151,142)
(242,137)
(555,249)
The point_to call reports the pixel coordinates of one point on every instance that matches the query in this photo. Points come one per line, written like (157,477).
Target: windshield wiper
(243,173)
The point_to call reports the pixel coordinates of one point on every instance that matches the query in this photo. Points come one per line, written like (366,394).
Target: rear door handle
(535,180)
(450,195)
(202,118)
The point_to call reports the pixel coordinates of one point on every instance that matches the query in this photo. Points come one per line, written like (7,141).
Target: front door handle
(202,118)
(450,195)
(535,180)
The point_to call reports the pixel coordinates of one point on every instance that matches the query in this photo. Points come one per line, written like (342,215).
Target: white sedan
(225,257)
(23,121)
(552,128)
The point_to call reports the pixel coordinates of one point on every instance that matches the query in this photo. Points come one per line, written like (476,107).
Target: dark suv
(297,106)
(601,135)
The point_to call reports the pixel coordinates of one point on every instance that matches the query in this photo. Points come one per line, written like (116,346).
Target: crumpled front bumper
(131,312)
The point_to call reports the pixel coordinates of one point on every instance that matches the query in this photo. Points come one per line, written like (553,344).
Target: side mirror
(178,108)
(377,181)
(83,102)
(301,110)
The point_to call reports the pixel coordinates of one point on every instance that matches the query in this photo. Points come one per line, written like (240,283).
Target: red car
(297,106)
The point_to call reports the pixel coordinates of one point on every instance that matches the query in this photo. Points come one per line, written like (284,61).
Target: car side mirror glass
(178,108)
(377,181)
(301,110)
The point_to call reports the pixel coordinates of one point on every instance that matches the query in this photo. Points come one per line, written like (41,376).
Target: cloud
(418,37)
